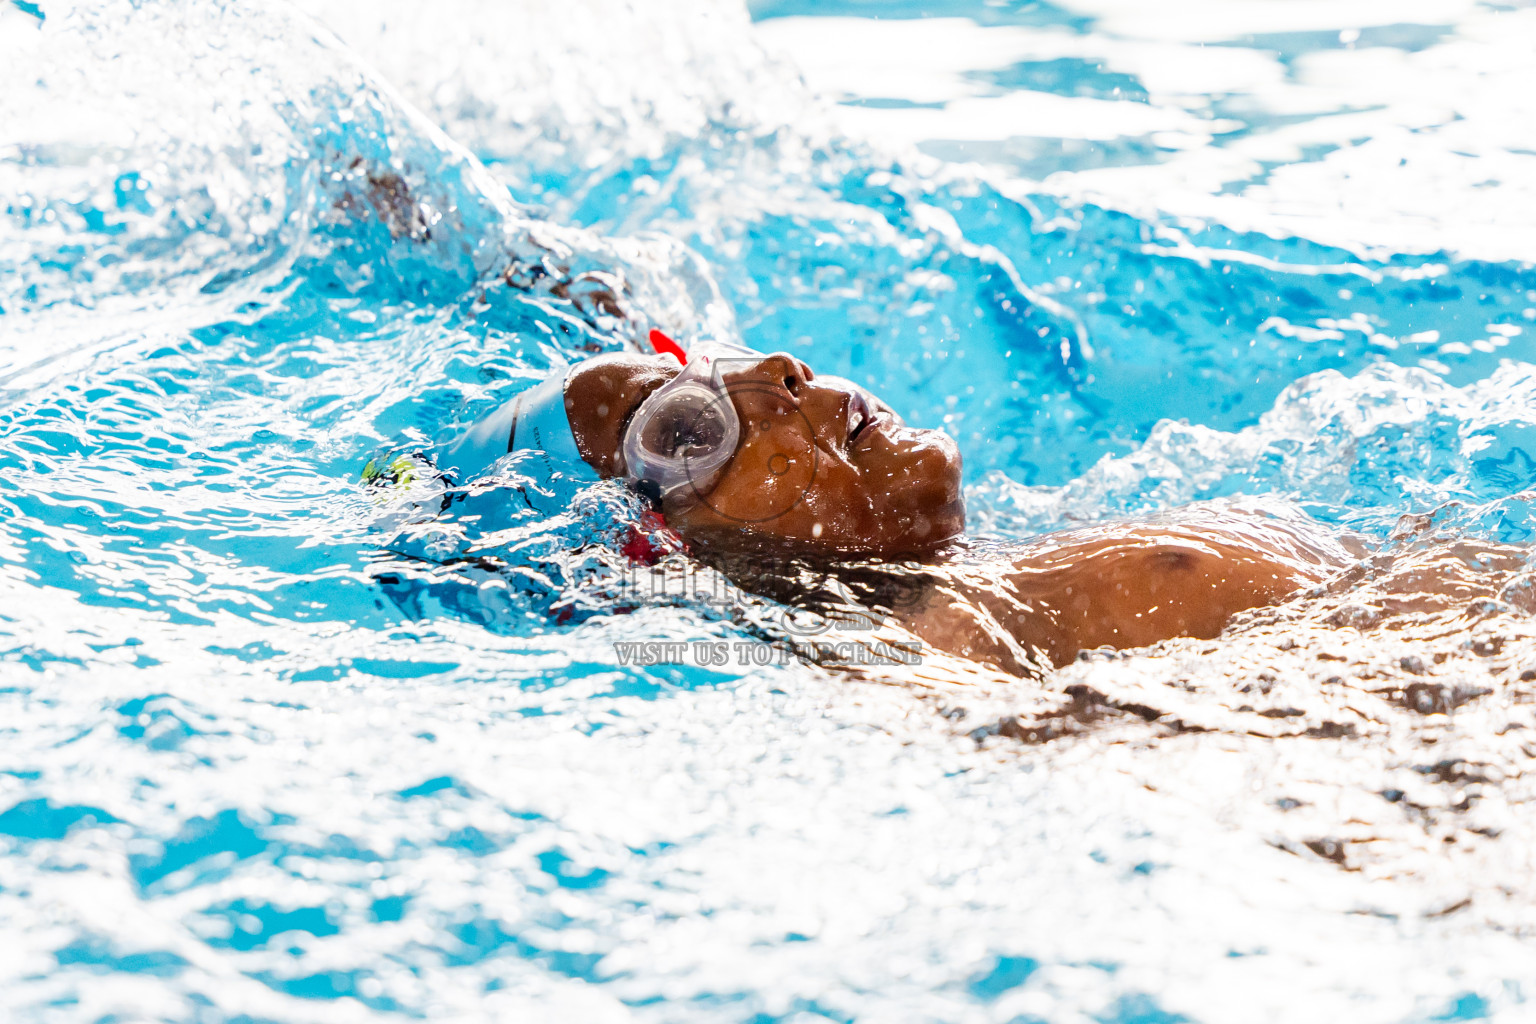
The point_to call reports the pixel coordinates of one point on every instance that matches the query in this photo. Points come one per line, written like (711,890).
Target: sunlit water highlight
(1130,261)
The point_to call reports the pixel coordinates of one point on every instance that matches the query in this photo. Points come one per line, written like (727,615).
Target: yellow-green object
(401,471)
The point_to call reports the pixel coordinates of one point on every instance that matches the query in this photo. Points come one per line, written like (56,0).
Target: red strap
(666,346)
(650,540)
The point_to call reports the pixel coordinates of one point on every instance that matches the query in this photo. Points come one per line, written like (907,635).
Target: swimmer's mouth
(860,417)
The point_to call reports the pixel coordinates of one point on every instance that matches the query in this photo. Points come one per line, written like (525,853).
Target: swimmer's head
(815,463)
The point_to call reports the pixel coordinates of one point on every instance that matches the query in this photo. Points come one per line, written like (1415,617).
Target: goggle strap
(664,345)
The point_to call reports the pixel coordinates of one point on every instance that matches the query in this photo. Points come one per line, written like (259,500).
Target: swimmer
(749,455)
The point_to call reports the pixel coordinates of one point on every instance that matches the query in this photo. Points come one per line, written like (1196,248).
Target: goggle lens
(685,434)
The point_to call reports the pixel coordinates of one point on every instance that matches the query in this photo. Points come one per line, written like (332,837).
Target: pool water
(1130,259)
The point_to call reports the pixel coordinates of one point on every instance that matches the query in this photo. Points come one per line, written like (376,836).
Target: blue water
(242,781)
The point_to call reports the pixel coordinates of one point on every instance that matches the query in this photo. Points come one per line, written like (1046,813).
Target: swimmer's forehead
(636,360)
(619,381)
(631,370)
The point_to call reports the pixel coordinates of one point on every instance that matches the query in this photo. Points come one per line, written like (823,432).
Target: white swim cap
(536,421)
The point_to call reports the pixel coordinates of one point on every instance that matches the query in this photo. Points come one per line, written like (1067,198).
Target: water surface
(1130,259)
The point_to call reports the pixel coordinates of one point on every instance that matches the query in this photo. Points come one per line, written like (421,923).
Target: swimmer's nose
(783,368)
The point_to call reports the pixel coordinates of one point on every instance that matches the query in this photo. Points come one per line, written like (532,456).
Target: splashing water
(1131,261)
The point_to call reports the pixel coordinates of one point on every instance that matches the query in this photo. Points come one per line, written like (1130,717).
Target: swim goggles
(685,432)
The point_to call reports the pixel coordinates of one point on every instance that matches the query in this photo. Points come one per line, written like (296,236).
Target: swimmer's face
(820,464)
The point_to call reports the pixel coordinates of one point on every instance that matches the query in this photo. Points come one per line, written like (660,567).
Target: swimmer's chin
(885,431)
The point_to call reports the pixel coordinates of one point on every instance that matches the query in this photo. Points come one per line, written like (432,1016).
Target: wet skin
(815,469)
(818,470)
(1121,585)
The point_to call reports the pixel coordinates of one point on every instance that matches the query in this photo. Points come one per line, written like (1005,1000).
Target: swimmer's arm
(1135,586)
